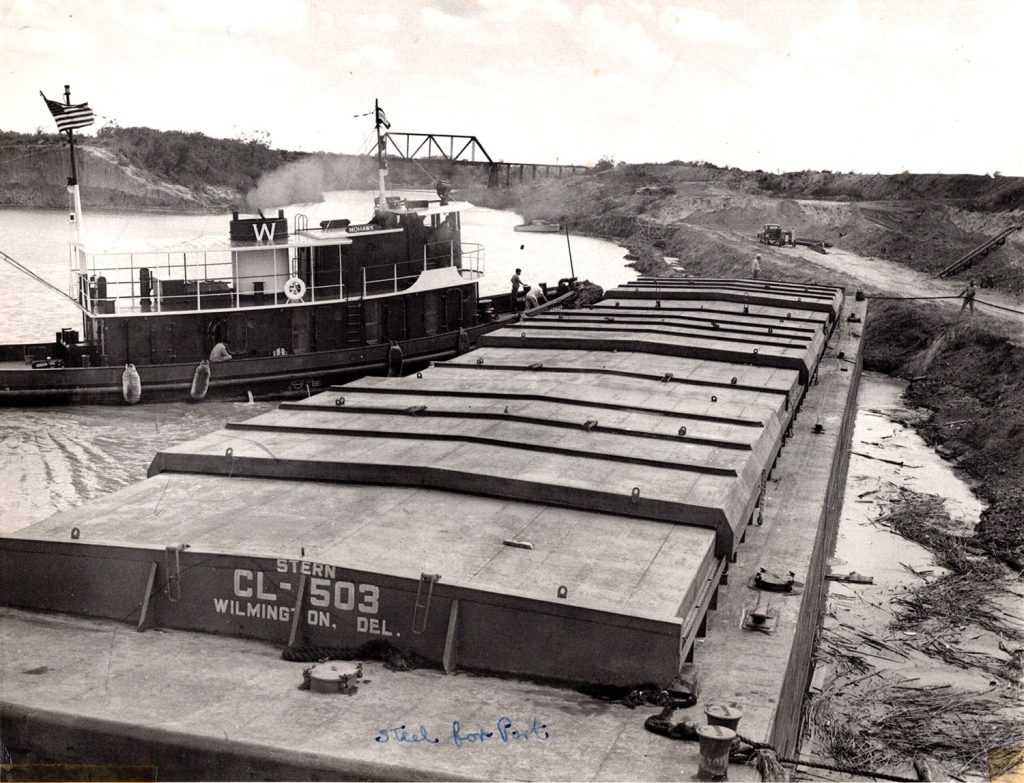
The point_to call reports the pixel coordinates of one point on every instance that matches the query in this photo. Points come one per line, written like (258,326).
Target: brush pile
(870,714)
(885,723)
(968,594)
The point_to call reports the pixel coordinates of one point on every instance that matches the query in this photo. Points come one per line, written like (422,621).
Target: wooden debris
(881,459)
(853,576)
(517,544)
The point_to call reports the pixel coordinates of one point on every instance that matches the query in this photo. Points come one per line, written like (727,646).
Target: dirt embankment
(37,178)
(969,370)
(968,373)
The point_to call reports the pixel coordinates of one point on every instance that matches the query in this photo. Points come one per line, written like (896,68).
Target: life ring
(294,289)
(131,384)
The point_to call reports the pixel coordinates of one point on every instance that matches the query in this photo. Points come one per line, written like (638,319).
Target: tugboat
(287,308)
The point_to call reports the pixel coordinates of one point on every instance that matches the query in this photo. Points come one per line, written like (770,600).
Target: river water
(59,457)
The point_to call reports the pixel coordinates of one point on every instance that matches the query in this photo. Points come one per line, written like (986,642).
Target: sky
(779,85)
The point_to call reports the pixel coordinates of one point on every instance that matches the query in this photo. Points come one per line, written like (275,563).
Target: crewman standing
(968,296)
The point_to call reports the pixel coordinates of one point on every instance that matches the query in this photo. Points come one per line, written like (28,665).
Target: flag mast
(68,117)
(75,198)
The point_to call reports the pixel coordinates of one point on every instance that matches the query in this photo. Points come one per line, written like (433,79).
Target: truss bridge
(469,151)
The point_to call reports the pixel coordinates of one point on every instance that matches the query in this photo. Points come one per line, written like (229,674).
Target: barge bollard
(723,715)
(715,743)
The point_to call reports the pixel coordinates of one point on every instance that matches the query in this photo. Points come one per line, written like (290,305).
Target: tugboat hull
(292,375)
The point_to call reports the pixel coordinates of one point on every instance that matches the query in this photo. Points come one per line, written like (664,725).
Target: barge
(539,227)
(634,497)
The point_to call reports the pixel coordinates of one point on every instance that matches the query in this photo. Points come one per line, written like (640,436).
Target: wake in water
(52,459)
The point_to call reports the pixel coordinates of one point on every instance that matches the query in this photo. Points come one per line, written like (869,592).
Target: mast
(382,165)
(572,272)
(75,229)
(74,197)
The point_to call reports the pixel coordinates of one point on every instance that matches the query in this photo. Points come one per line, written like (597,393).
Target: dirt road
(889,278)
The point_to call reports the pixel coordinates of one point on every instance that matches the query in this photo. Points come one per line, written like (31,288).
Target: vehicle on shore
(296,306)
(774,234)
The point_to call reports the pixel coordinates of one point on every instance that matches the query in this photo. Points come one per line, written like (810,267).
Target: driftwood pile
(870,714)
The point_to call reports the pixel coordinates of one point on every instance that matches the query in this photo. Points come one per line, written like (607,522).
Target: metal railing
(208,282)
(468,258)
(178,295)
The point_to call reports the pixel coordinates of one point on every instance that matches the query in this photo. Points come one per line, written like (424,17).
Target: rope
(359,159)
(912,297)
(25,270)
(415,162)
(979,301)
(999,307)
(48,150)
(687,730)
(819,765)
(857,773)
(429,175)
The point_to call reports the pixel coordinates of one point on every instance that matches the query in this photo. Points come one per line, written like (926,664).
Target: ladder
(419,624)
(354,322)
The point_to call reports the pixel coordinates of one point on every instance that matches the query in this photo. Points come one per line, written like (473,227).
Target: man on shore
(968,296)
(755,267)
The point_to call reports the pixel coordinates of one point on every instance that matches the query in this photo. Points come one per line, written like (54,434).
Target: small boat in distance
(287,307)
(539,227)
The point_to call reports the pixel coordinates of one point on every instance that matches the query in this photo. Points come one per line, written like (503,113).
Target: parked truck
(774,234)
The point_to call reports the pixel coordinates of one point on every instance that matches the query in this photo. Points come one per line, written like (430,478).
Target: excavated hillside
(924,222)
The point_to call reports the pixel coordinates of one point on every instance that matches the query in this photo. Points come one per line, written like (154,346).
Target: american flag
(69,117)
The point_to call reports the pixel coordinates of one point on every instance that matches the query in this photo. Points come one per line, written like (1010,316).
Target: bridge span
(468,151)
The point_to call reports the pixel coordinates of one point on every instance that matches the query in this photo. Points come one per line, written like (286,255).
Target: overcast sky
(919,85)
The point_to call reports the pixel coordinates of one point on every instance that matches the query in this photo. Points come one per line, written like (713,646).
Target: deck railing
(207,282)
(468,258)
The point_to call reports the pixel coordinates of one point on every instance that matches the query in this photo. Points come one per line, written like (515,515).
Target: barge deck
(584,498)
